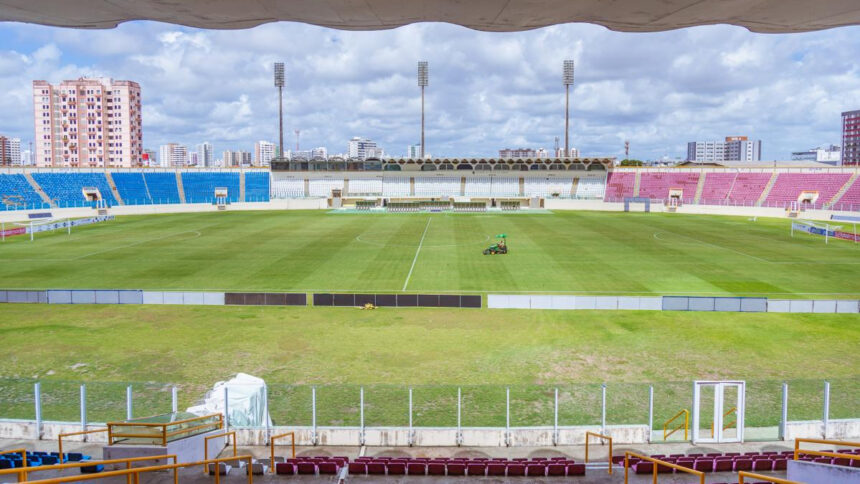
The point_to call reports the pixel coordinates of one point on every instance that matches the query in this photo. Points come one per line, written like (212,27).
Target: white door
(718,411)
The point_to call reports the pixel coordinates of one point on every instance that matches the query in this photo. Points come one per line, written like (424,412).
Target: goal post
(644,200)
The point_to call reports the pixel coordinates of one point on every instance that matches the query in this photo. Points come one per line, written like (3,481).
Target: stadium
(430,320)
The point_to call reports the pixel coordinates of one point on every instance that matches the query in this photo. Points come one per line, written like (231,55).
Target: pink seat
(285,468)
(330,467)
(536,470)
(742,465)
(723,465)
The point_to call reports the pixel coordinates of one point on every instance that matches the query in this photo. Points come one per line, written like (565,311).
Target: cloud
(487,90)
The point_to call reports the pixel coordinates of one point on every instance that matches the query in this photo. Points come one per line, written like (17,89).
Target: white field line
(415,259)
(712,245)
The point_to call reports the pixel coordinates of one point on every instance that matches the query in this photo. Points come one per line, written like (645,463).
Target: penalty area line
(417,251)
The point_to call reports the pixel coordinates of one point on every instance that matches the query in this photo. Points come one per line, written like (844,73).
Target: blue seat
(257,186)
(92,469)
(17,194)
(66,188)
(200,186)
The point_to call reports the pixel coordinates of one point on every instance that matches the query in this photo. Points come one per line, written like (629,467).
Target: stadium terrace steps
(574,186)
(180,187)
(44,196)
(66,188)
(242,185)
(17,193)
(789,186)
(767,188)
(637,183)
(700,187)
(716,188)
(852,182)
(113,189)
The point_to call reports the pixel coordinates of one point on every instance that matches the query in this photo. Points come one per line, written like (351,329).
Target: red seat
(742,465)
(780,464)
(436,469)
(536,470)
(704,465)
(376,467)
(416,468)
(576,469)
(456,469)
(516,469)
(357,468)
(285,468)
(643,467)
(494,469)
(476,469)
(723,465)
(396,468)
(330,467)
(762,464)
(554,469)
(307,468)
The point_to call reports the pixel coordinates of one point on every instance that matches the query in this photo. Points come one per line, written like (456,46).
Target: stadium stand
(790,185)
(437,186)
(256,186)
(505,187)
(66,188)
(729,461)
(365,186)
(590,188)
(17,194)
(747,188)
(656,186)
(850,200)
(132,188)
(288,188)
(162,187)
(39,458)
(200,186)
(547,187)
(619,185)
(481,186)
(323,188)
(717,187)
(395,187)
(467,467)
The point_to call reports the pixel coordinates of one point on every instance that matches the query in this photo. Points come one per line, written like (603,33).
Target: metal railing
(141,430)
(728,425)
(656,464)
(70,434)
(762,477)
(685,425)
(798,451)
(292,436)
(206,440)
(602,438)
(135,472)
(23,472)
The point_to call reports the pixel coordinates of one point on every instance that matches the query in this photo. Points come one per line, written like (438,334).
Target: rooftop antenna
(567,78)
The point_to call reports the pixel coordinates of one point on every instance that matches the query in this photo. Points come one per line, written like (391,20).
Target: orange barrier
(602,437)
(158,431)
(23,461)
(60,438)
(84,463)
(657,463)
(728,425)
(206,440)
(762,477)
(685,425)
(292,436)
(798,450)
(136,471)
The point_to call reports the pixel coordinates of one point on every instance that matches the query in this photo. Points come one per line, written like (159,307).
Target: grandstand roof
(774,16)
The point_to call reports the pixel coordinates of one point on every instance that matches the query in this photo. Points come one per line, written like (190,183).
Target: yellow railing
(798,450)
(60,439)
(733,410)
(657,463)
(292,436)
(602,437)
(23,453)
(25,471)
(206,440)
(685,425)
(762,477)
(136,471)
(158,431)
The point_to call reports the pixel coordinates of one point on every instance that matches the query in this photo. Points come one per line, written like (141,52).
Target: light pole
(279,83)
(567,78)
(423,80)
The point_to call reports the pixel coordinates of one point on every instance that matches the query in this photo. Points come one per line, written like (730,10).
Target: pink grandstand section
(620,185)
(747,188)
(789,186)
(850,200)
(657,185)
(717,188)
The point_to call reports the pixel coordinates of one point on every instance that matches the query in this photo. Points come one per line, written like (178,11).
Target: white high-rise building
(193,158)
(319,152)
(413,152)
(88,123)
(734,148)
(264,152)
(363,148)
(15,151)
(172,155)
(204,155)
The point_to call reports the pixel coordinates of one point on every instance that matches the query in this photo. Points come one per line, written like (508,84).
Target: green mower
(500,247)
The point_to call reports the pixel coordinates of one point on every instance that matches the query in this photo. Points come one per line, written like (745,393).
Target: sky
(487,90)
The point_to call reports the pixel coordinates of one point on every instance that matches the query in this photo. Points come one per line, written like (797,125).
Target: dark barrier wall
(398,300)
(265,299)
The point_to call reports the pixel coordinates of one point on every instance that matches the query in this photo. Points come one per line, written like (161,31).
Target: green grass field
(434,350)
(566,252)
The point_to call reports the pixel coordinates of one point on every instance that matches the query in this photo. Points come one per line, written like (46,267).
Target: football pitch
(562,252)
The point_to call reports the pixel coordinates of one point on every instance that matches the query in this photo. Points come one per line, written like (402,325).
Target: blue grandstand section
(66,188)
(162,187)
(131,188)
(256,186)
(17,194)
(200,187)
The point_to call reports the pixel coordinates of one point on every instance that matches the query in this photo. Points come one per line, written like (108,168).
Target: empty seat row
(560,468)
(39,458)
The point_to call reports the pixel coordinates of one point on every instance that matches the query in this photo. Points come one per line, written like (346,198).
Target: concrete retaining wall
(818,473)
(506,301)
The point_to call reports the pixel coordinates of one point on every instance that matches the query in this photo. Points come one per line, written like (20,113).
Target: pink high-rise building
(88,123)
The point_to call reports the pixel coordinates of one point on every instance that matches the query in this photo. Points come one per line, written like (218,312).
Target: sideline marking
(415,259)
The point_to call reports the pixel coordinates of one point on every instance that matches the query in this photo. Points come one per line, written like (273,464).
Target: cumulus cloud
(487,90)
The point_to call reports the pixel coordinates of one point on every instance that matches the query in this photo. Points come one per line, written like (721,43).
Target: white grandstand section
(591,188)
(479,186)
(506,187)
(365,186)
(323,187)
(547,187)
(288,188)
(395,187)
(437,186)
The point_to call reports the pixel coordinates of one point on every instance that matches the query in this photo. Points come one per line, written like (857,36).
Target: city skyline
(502,90)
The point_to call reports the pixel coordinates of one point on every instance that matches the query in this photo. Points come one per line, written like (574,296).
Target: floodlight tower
(423,80)
(567,78)
(279,83)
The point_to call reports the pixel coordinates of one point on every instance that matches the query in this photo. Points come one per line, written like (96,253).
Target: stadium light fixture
(423,81)
(279,83)
(567,79)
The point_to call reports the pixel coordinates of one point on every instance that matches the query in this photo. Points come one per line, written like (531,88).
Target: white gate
(718,411)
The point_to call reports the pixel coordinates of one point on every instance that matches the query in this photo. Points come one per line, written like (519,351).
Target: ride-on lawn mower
(500,247)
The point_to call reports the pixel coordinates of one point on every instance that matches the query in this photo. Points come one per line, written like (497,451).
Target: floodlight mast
(567,78)
(423,80)
(279,83)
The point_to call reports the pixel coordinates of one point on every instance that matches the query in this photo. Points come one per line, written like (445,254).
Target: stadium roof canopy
(773,16)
